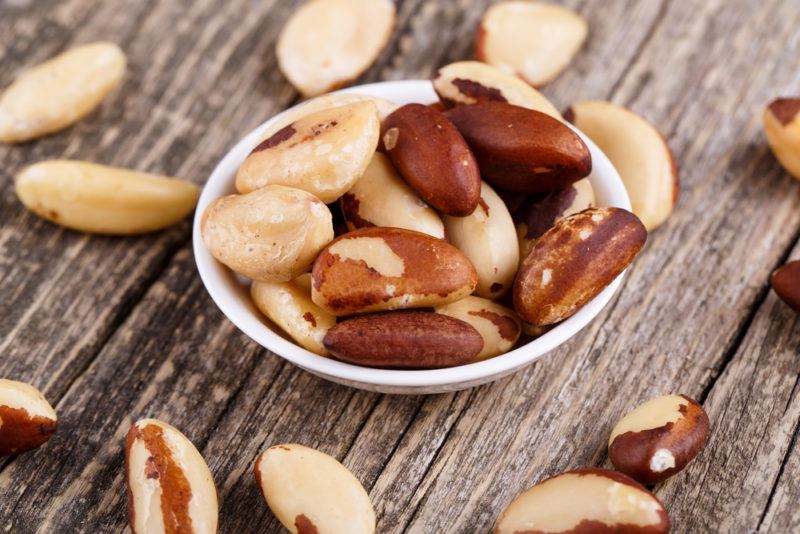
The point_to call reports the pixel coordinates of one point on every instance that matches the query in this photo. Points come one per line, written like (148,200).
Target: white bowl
(231,292)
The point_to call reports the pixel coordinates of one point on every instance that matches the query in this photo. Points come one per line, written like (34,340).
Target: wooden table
(115,329)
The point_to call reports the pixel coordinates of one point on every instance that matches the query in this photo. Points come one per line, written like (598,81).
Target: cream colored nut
(498,326)
(585,500)
(170,488)
(104,200)
(381,198)
(310,492)
(782,126)
(289,305)
(470,82)
(324,153)
(488,238)
(59,92)
(26,418)
(639,153)
(328,43)
(534,40)
(272,234)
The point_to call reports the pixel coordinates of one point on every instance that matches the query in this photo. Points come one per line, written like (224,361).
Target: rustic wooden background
(117,329)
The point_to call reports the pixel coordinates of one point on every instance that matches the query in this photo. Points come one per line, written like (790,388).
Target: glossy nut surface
(488,238)
(574,261)
(658,438)
(26,418)
(470,82)
(323,153)
(498,326)
(378,268)
(786,283)
(583,501)
(170,488)
(104,200)
(638,151)
(311,493)
(782,126)
(521,150)
(433,158)
(381,198)
(59,92)
(272,234)
(404,340)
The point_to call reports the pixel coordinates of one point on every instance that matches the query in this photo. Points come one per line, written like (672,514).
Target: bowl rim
(211,272)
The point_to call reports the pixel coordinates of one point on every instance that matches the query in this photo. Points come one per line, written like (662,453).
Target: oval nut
(27,420)
(782,127)
(498,326)
(786,284)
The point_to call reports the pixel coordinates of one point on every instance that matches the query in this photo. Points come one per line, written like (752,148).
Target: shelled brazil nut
(782,126)
(786,284)
(27,420)
(498,326)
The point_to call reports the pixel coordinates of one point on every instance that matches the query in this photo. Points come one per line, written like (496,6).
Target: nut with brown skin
(377,268)
(574,261)
(786,283)
(584,501)
(638,151)
(534,40)
(26,418)
(521,150)
(433,158)
(470,82)
(170,488)
(782,126)
(311,493)
(498,326)
(404,340)
(659,438)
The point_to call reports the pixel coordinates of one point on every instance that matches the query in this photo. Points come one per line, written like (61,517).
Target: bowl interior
(231,292)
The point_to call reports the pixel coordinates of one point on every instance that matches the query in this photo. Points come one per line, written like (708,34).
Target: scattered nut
(534,40)
(104,200)
(310,492)
(59,92)
(328,43)
(470,82)
(376,268)
(272,234)
(658,438)
(786,283)
(585,501)
(521,150)
(536,214)
(324,153)
(26,418)
(430,154)
(574,261)
(170,488)
(488,238)
(782,126)
(404,340)
(498,326)
(640,154)
(289,305)
(381,198)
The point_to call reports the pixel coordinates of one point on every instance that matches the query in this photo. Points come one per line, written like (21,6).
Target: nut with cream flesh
(638,151)
(534,40)
(782,126)
(311,493)
(323,153)
(786,284)
(26,418)
(658,438)
(328,43)
(170,488)
(498,326)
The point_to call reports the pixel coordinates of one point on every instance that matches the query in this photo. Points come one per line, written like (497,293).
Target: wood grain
(117,329)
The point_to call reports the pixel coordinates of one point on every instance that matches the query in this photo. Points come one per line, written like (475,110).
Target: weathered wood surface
(117,329)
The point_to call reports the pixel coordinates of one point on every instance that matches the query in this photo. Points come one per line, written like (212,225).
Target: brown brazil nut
(574,261)
(404,340)
(786,283)
(782,127)
(658,438)
(27,420)
(521,150)
(585,501)
(430,154)
(377,268)
(498,326)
